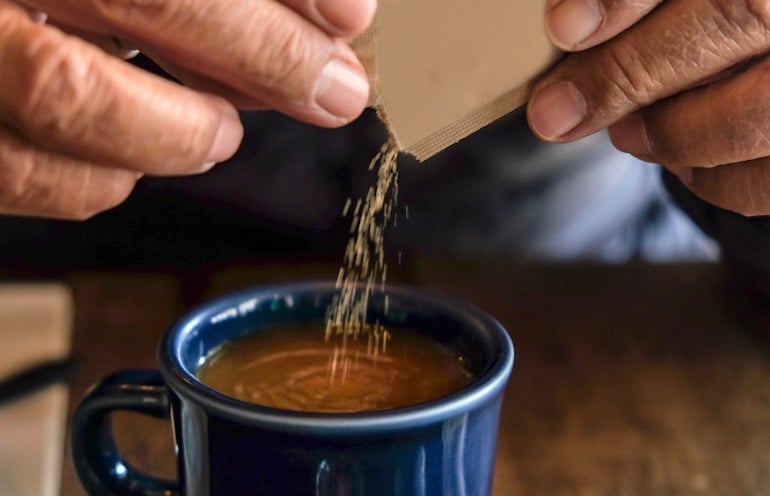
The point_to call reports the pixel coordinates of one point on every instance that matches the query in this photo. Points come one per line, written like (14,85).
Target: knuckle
(55,90)
(745,22)
(25,188)
(120,10)
(38,183)
(16,170)
(284,56)
(628,80)
(758,11)
(98,189)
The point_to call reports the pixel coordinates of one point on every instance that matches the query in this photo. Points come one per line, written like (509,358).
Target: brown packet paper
(442,69)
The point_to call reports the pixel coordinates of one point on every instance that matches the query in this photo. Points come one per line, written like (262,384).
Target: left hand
(78,126)
(684,83)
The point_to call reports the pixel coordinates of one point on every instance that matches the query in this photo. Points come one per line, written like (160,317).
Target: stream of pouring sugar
(364,264)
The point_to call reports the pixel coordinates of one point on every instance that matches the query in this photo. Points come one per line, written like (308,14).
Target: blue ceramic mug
(226,447)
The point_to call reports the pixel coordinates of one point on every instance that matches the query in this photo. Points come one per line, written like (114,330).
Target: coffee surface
(294,368)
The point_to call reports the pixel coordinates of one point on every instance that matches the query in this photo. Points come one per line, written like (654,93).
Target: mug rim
(480,390)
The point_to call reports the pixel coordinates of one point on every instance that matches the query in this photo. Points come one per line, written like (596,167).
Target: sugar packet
(442,69)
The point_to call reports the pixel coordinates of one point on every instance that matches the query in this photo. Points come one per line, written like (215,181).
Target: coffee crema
(294,368)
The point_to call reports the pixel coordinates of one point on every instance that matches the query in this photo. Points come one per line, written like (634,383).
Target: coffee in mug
(227,446)
(296,368)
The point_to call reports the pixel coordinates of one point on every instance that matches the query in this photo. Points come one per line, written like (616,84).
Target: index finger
(264,49)
(679,45)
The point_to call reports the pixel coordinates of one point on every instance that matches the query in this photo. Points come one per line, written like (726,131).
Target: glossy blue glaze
(228,447)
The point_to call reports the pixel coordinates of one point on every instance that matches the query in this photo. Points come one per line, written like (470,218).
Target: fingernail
(227,140)
(341,90)
(630,135)
(207,166)
(345,15)
(571,22)
(556,110)
(38,17)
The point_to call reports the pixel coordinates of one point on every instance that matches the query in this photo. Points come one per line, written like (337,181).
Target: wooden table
(632,380)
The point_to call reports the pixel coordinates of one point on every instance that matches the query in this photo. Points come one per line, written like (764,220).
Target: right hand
(79,126)
(680,83)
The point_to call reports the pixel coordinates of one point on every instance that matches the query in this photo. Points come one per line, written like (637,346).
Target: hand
(79,126)
(684,83)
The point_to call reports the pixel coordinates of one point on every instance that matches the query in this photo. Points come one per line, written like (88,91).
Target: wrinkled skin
(79,126)
(682,83)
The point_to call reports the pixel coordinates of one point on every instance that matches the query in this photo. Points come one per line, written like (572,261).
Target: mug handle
(98,463)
